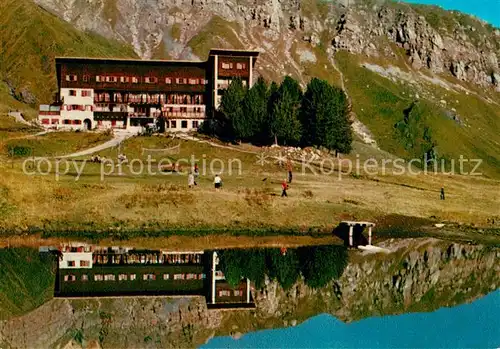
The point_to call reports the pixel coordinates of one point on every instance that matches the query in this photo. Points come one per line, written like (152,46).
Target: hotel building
(123,93)
(85,270)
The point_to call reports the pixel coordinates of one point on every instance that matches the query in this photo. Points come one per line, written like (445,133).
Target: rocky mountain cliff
(288,32)
(418,275)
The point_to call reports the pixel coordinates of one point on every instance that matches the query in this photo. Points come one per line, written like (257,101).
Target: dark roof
(105,60)
(233,52)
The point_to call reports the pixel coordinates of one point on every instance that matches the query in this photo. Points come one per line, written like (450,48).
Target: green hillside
(381,105)
(30,38)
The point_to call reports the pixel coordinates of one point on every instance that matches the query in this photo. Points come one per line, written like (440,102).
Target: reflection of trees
(284,268)
(237,264)
(317,264)
(321,264)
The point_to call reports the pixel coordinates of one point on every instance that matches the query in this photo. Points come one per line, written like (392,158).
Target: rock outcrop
(419,275)
(432,39)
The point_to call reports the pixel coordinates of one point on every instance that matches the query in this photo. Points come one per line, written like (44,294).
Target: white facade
(76,260)
(77,113)
(77,109)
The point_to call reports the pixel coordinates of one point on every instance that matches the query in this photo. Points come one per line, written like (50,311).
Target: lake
(468,325)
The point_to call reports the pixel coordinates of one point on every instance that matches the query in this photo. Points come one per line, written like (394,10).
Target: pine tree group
(271,114)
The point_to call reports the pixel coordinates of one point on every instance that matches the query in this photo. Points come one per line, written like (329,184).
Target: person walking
(217,182)
(191,182)
(284,186)
(289,168)
(442,193)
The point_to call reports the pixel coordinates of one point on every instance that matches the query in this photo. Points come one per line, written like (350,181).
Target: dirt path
(29,136)
(213,144)
(119,136)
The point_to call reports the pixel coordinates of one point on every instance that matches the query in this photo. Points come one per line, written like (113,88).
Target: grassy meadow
(134,205)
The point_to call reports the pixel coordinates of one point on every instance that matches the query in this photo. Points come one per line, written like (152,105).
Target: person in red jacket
(284,186)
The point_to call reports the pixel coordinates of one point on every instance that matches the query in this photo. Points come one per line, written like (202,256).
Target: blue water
(487,10)
(474,325)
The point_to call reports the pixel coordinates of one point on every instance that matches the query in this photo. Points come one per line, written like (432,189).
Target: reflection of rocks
(173,322)
(430,275)
(419,275)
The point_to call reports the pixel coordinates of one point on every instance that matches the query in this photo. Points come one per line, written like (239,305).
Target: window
(69,277)
(124,79)
(45,121)
(240,66)
(195,124)
(179,276)
(224,293)
(84,263)
(109,277)
(89,108)
(166,276)
(66,122)
(184,124)
(193,81)
(190,276)
(85,277)
(150,80)
(97,78)
(135,80)
(238,293)
(122,277)
(178,80)
(132,277)
(71,77)
(55,121)
(77,122)
(98,277)
(71,264)
(85,78)
(168,81)
(227,65)
(111,79)
(86,93)
(149,277)
(203,82)
(72,92)
(173,124)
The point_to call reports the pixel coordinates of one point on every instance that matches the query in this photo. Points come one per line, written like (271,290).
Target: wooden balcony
(99,115)
(44,113)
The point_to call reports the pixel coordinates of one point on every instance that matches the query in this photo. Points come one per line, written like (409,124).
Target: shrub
(19,151)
